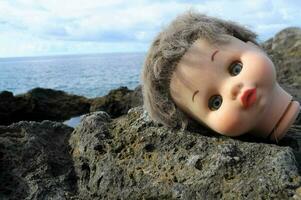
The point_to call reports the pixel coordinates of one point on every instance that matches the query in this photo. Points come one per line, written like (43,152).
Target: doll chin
(286,121)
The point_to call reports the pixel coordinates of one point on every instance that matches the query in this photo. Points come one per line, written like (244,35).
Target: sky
(57,27)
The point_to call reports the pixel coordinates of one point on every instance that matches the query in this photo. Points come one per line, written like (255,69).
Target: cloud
(52,24)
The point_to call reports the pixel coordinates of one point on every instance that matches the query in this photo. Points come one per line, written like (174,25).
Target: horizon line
(68,54)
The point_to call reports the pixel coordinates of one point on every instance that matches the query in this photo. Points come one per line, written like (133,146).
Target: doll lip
(248,98)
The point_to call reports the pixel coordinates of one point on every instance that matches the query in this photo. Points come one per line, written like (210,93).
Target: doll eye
(215,102)
(235,68)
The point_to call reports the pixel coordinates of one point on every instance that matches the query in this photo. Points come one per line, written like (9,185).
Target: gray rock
(285,51)
(118,101)
(35,162)
(41,104)
(132,158)
(46,104)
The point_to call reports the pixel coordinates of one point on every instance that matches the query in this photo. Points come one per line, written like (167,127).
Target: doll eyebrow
(214,53)
(194,94)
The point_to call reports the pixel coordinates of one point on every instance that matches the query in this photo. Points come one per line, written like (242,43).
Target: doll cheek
(230,125)
(266,69)
(259,64)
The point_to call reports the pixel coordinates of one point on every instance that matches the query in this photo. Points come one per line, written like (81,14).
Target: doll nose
(235,90)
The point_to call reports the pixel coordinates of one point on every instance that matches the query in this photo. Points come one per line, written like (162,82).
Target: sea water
(90,75)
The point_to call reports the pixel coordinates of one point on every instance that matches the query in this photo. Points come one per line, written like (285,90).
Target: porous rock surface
(133,158)
(118,101)
(35,162)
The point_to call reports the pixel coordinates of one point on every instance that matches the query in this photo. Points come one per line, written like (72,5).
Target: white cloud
(39,26)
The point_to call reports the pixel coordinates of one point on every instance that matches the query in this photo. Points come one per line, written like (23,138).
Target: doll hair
(165,52)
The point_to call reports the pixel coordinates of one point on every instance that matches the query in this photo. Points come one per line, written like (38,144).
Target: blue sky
(53,27)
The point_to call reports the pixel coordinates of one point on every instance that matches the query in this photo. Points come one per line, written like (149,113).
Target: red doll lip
(249,97)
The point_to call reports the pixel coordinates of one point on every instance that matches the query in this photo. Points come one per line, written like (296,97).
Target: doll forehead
(200,53)
(189,60)
(204,51)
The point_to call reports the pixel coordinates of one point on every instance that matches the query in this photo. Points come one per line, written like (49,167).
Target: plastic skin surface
(232,89)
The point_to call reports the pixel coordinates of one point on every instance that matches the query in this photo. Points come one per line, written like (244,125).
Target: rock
(41,104)
(133,158)
(12,108)
(297,196)
(285,51)
(118,101)
(35,162)
(47,104)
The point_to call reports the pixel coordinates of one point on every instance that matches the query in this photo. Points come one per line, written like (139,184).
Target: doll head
(207,70)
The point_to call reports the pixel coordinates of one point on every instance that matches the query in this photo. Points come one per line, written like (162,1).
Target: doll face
(226,87)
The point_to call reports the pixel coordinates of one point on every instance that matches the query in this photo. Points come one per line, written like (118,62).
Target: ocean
(90,75)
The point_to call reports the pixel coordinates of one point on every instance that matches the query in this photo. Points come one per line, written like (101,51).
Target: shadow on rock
(35,161)
(41,104)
